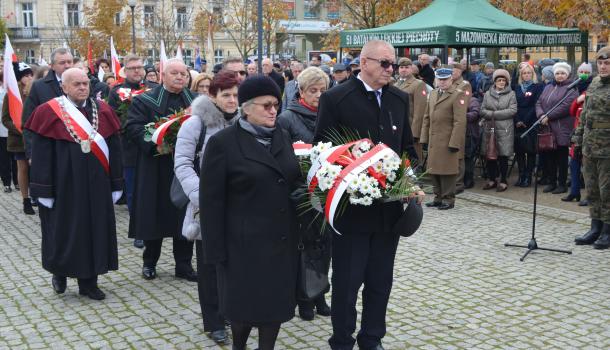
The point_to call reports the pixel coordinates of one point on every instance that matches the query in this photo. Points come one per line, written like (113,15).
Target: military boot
(603,242)
(591,236)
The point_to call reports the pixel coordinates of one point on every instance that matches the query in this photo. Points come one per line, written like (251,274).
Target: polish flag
(179,51)
(116,65)
(162,60)
(10,84)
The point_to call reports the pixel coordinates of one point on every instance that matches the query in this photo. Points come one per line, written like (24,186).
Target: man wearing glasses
(154,216)
(134,81)
(235,64)
(364,252)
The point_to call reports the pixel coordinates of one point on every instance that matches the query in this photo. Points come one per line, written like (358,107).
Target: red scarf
(304,104)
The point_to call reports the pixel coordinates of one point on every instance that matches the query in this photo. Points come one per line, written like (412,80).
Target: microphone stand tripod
(533,245)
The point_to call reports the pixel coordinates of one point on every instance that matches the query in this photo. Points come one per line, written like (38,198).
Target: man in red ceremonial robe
(77,175)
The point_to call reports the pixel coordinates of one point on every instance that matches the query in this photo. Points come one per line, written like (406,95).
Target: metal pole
(260,36)
(133,32)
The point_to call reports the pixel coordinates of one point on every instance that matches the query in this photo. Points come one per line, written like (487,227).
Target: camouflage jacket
(593,132)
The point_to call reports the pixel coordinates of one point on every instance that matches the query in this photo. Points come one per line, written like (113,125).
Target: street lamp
(132,5)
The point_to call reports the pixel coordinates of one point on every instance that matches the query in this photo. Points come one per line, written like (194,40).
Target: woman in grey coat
(214,113)
(498,109)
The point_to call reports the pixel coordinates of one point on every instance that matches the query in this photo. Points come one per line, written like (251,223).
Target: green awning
(464,23)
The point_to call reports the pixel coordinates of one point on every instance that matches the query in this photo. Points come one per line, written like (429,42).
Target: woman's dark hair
(100,61)
(223,80)
(288,74)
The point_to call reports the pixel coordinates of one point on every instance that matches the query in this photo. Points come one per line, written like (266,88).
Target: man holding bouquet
(364,252)
(154,216)
(119,99)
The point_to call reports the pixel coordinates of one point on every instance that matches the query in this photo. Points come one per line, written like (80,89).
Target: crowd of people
(83,149)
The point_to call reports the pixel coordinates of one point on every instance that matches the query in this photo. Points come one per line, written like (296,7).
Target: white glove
(47,202)
(116,195)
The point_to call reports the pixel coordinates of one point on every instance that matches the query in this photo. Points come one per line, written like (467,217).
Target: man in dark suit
(44,90)
(271,73)
(364,252)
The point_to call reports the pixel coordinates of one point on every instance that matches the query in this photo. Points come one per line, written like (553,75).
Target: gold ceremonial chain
(85,145)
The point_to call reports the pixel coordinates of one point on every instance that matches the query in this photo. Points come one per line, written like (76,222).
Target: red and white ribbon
(82,128)
(159,134)
(302,149)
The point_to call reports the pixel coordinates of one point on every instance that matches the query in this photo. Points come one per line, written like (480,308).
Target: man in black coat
(134,83)
(365,250)
(76,178)
(426,72)
(271,73)
(45,89)
(154,216)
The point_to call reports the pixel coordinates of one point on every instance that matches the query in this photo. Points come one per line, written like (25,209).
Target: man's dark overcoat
(154,215)
(79,231)
(351,106)
(248,224)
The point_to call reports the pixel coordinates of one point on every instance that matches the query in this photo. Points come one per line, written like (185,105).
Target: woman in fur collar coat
(214,114)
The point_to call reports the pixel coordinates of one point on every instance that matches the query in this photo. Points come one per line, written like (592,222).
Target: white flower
(364,146)
(366,201)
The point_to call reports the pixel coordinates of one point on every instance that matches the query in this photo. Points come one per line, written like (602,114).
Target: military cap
(443,73)
(457,65)
(404,62)
(339,67)
(603,53)
(355,62)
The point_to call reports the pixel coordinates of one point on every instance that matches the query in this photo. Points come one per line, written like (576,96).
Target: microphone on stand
(574,83)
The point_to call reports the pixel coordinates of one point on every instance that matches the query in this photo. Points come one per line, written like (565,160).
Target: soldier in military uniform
(464,86)
(592,138)
(154,216)
(444,130)
(134,80)
(418,98)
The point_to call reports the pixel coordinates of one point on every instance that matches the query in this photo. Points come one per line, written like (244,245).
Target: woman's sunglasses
(267,105)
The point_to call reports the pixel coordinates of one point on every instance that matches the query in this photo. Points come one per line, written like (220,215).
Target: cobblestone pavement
(456,287)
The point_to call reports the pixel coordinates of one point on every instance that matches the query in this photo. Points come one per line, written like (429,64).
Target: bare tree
(239,23)
(170,21)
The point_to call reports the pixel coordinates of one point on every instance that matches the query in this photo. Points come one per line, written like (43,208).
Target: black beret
(21,69)
(258,85)
(410,220)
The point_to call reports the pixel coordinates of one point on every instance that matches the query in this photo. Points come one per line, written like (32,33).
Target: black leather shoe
(519,182)
(149,273)
(592,235)
(445,206)
(468,185)
(138,243)
(570,197)
(549,188)
(220,337)
(189,275)
(59,284)
(527,181)
(560,189)
(322,308)
(433,204)
(306,312)
(93,293)
(603,242)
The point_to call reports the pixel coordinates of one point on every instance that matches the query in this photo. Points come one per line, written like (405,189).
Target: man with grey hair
(271,73)
(76,175)
(153,215)
(45,89)
(235,64)
(291,88)
(364,252)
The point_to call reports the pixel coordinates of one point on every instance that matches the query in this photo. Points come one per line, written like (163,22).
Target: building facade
(36,27)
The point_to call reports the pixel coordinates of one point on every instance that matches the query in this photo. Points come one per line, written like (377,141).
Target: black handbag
(313,272)
(176,192)
(525,144)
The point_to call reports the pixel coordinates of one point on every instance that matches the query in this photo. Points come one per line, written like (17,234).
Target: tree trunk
(571,56)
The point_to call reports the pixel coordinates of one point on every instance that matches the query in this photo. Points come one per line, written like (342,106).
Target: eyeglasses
(267,105)
(385,64)
(135,68)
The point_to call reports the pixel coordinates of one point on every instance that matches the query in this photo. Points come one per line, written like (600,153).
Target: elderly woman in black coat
(299,119)
(248,221)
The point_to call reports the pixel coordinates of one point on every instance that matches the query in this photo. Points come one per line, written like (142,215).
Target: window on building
(181,18)
(117,19)
(289,5)
(151,55)
(188,56)
(27,10)
(310,10)
(333,9)
(30,56)
(149,16)
(218,56)
(73,14)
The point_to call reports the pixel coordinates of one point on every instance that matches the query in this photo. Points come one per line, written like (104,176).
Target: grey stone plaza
(456,287)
